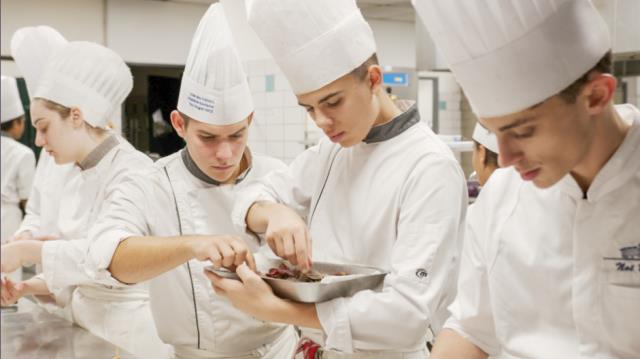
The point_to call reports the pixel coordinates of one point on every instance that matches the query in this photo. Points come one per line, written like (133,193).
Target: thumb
(245,273)
(19,286)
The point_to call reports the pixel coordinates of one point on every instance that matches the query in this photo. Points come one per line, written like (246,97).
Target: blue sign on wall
(395,79)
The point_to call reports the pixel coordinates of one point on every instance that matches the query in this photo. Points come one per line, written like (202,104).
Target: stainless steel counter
(32,332)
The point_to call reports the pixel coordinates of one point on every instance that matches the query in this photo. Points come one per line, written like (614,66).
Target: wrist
(280,311)
(35,286)
(190,246)
(31,252)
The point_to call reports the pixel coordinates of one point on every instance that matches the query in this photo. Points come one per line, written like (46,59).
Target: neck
(388,109)
(89,144)
(609,133)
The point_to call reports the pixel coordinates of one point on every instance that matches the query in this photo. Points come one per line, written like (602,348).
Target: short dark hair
(490,157)
(7,126)
(360,72)
(604,66)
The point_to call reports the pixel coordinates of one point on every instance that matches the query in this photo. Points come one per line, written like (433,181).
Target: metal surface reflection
(31,332)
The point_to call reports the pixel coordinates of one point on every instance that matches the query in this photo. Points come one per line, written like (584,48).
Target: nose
(223,152)
(323,121)
(40,141)
(509,153)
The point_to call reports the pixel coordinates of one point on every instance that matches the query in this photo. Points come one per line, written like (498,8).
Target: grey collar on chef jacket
(394,127)
(199,174)
(98,153)
(4,134)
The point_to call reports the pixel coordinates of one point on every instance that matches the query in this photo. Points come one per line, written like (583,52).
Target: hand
(46,238)
(18,254)
(288,236)
(21,236)
(250,294)
(11,257)
(10,292)
(222,250)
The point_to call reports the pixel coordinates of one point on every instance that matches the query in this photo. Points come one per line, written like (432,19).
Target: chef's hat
(485,138)
(11,104)
(31,48)
(314,42)
(509,55)
(214,86)
(88,76)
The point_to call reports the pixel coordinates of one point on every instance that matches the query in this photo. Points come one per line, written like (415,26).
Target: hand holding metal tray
(358,278)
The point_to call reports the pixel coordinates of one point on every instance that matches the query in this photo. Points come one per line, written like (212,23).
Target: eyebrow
(205,133)
(517,123)
(324,99)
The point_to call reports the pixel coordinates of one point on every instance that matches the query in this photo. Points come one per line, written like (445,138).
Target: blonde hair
(65,112)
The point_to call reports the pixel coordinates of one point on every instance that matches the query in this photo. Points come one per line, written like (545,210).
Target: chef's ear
(76,116)
(179,123)
(482,154)
(375,77)
(250,118)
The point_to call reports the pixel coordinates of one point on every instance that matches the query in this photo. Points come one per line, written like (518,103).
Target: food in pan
(285,272)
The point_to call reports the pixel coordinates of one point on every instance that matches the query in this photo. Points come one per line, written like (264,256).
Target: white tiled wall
(280,127)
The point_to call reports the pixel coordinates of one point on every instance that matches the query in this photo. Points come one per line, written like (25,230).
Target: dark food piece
(284,272)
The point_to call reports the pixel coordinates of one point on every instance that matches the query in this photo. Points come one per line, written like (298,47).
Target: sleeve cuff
(334,318)
(50,250)
(241,208)
(100,255)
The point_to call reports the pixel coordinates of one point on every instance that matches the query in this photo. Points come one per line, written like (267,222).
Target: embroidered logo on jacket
(629,260)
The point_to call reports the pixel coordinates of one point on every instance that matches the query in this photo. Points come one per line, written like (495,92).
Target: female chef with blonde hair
(79,91)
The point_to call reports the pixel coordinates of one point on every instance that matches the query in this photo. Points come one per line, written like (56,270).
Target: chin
(59,161)
(221,176)
(544,182)
(348,143)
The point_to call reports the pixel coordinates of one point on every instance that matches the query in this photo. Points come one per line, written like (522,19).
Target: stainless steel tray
(316,292)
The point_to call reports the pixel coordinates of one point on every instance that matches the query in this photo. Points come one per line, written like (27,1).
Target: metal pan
(369,278)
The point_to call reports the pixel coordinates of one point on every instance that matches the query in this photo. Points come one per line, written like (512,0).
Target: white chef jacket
(43,206)
(121,316)
(396,201)
(543,274)
(188,313)
(17,167)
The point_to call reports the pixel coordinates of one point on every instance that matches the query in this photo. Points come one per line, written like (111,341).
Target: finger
(290,249)
(271,243)
(215,279)
(240,250)
(214,256)
(279,247)
(301,254)
(251,262)
(309,243)
(228,255)
(246,274)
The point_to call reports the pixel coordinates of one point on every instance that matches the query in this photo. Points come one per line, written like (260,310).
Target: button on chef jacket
(395,201)
(546,273)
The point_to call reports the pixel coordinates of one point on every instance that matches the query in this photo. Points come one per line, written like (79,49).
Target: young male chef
(163,225)
(381,189)
(550,260)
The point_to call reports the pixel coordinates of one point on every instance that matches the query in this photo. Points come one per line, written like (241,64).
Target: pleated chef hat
(31,48)
(214,87)
(314,42)
(485,138)
(11,104)
(88,76)
(509,55)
